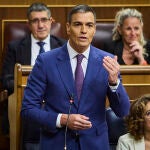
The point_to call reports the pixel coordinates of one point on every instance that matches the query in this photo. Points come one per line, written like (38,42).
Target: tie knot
(40,43)
(79,58)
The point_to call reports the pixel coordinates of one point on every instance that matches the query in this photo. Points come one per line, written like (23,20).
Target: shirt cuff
(114,88)
(58,125)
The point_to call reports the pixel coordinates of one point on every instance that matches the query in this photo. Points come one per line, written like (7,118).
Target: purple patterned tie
(79,75)
(41,44)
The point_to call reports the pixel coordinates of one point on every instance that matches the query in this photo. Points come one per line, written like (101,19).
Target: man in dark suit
(25,52)
(74,81)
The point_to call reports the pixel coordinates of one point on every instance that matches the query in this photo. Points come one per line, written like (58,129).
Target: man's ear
(68,28)
(95,29)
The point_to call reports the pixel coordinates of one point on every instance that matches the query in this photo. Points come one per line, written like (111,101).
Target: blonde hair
(119,19)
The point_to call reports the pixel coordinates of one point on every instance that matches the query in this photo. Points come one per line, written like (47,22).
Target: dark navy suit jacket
(20,52)
(52,80)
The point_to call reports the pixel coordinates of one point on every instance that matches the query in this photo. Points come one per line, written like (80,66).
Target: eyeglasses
(148,113)
(37,21)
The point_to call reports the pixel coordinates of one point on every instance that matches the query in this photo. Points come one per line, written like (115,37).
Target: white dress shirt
(35,48)
(73,59)
(84,63)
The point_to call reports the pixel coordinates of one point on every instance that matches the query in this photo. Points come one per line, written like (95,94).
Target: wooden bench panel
(136,80)
(14,105)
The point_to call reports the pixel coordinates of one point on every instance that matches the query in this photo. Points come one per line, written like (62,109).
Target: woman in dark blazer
(128,42)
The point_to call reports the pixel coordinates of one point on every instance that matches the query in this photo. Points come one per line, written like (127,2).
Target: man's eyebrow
(83,23)
(77,22)
(90,23)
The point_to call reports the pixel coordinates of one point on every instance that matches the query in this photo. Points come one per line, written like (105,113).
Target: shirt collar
(46,40)
(73,53)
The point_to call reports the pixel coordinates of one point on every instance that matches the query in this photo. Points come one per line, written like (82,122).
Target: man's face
(40,24)
(81,31)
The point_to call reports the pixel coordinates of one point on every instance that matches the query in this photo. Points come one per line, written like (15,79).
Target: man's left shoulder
(58,39)
(101,52)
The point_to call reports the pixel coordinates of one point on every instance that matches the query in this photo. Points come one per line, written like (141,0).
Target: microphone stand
(71,102)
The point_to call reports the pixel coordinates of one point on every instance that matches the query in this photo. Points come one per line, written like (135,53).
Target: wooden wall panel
(69,2)
(104,13)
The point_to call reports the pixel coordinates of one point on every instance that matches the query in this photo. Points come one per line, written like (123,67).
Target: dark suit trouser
(5,122)
(31,146)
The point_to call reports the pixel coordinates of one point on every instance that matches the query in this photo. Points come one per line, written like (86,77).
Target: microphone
(69,112)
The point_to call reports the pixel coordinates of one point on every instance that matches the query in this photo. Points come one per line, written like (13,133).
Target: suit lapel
(64,68)
(26,51)
(53,43)
(94,65)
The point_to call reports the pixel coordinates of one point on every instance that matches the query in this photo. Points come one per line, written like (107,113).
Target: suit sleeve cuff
(58,125)
(114,88)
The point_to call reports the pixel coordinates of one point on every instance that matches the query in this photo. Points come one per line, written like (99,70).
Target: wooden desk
(136,80)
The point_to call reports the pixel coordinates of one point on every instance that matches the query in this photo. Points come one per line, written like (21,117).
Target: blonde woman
(128,42)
